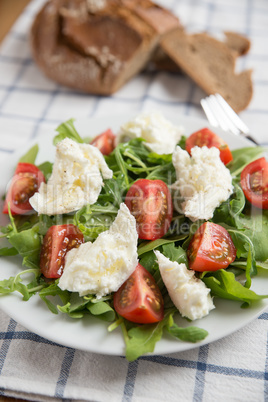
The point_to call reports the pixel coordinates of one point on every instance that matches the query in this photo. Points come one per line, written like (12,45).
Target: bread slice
(240,44)
(211,65)
(96,46)
(236,42)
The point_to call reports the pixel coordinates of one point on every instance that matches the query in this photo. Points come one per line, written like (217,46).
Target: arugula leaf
(15,284)
(243,242)
(188,334)
(137,147)
(30,155)
(144,247)
(256,228)
(230,210)
(261,264)
(67,130)
(77,306)
(165,172)
(54,290)
(122,166)
(103,310)
(46,169)
(141,340)
(112,191)
(27,243)
(159,159)
(8,251)
(182,142)
(132,161)
(94,219)
(148,261)
(242,157)
(223,284)
(175,253)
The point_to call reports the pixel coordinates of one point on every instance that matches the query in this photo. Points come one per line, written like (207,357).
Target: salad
(169,238)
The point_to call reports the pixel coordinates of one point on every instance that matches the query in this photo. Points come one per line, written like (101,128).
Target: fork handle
(250,138)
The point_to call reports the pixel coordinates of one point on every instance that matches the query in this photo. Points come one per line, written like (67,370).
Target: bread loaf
(96,46)
(211,64)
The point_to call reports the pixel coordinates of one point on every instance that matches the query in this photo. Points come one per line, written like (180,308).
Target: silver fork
(220,114)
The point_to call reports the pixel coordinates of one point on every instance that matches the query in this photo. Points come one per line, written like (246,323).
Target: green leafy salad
(131,162)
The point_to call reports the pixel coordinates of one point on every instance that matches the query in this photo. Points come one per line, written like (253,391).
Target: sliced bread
(240,44)
(236,42)
(211,65)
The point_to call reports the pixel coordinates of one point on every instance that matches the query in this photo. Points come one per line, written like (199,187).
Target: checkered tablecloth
(234,368)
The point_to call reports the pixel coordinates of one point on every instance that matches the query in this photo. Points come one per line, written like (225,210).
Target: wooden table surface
(9,12)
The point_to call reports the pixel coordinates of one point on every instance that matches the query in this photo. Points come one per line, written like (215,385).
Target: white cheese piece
(188,293)
(203,182)
(76,179)
(101,267)
(161,135)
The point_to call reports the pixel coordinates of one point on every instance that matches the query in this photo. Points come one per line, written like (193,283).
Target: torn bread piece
(211,65)
(240,44)
(236,42)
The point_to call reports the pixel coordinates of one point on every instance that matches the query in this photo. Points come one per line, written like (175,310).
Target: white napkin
(232,369)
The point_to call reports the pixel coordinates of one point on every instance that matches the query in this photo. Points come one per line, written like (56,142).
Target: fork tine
(215,109)
(230,112)
(210,116)
(220,114)
(225,120)
(217,112)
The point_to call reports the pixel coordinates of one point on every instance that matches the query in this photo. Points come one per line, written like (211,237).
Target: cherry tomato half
(58,240)
(25,182)
(206,137)
(211,248)
(139,298)
(254,183)
(105,142)
(150,203)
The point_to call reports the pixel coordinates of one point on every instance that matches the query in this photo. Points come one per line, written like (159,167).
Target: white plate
(90,334)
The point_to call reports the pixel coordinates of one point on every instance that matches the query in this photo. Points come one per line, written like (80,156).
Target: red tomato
(254,183)
(58,240)
(105,142)
(211,248)
(151,203)
(25,182)
(139,298)
(206,137)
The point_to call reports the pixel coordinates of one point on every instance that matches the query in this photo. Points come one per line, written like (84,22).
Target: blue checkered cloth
(231,369)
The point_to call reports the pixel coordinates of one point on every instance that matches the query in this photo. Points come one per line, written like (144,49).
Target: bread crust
(97,51)
(211,65)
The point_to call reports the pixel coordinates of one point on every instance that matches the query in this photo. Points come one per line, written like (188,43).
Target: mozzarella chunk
(76,179)
(203,182)
(103,266)
(188,293)
(161,135)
